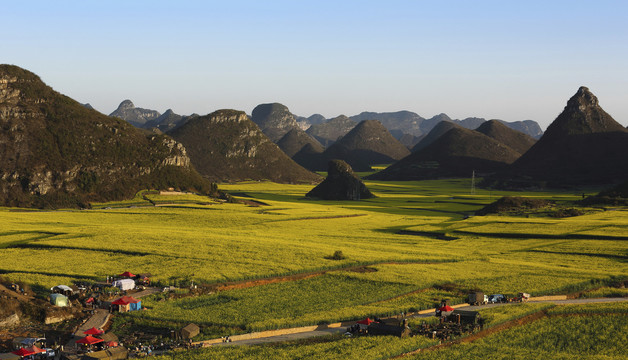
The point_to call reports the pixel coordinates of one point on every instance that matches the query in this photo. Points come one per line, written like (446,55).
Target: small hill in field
(518,141)
(274,119)
(341,184)
(583,146)
(510,204)
(295,140)
(227,146)
(457,153)
(368,143)
(55,152)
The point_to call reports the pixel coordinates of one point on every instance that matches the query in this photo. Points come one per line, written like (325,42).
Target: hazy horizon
(485,59)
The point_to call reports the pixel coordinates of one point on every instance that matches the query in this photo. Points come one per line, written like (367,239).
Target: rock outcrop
(227,146)
(341,184)
(54,152)
(275,120)
(305,122)
(134,115)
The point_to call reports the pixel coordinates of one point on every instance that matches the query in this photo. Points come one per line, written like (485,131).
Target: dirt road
(307,333)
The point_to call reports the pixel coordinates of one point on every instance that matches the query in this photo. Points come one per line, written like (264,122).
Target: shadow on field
(65,247)
(541,236)
(45,273)
(621,258)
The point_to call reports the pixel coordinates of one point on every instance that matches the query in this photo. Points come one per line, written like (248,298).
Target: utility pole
(473,183)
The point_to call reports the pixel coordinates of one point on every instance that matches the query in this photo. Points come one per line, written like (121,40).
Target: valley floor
(269,263)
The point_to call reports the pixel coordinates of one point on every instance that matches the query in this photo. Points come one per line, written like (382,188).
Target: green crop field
(413,244)
(592,331)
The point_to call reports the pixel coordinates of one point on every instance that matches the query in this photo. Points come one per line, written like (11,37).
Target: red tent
(112,344)
(125,300)
(35,349)
(127,274)
(93,331)
(90,300)
(89,340)
(366,321)
(446,308)
(23,352)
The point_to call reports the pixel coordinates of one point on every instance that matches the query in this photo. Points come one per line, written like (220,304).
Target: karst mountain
(583,146)
(227,146)
(459,152)
(55,152)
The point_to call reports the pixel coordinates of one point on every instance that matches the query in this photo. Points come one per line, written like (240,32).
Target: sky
(511,60)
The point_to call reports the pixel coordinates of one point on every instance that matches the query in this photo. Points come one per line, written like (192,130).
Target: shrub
(338,255)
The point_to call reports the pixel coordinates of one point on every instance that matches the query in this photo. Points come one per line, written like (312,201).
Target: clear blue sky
(512,60)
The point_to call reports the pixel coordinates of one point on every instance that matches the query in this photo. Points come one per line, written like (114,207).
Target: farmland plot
(394,235)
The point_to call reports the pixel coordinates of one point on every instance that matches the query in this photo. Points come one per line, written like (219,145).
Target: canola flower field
(413,244)
(591,331)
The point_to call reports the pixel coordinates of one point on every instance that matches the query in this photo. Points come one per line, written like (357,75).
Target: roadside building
(190,331)
(126,303)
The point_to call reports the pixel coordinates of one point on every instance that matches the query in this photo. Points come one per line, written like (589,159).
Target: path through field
(308,333)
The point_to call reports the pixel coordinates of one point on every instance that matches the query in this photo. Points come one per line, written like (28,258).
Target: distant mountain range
(56,152)
(275,120)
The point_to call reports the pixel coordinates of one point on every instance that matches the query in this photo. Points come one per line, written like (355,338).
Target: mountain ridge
(55,152)
(227,146)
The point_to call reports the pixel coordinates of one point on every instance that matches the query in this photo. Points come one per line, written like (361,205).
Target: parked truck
(477,298)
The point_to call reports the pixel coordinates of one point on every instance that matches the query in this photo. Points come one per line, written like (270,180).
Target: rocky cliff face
(305,122)
(55,152)
(275,120)
(135,116)
(227,146)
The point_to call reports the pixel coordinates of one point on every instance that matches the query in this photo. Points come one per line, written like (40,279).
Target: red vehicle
(521,297)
